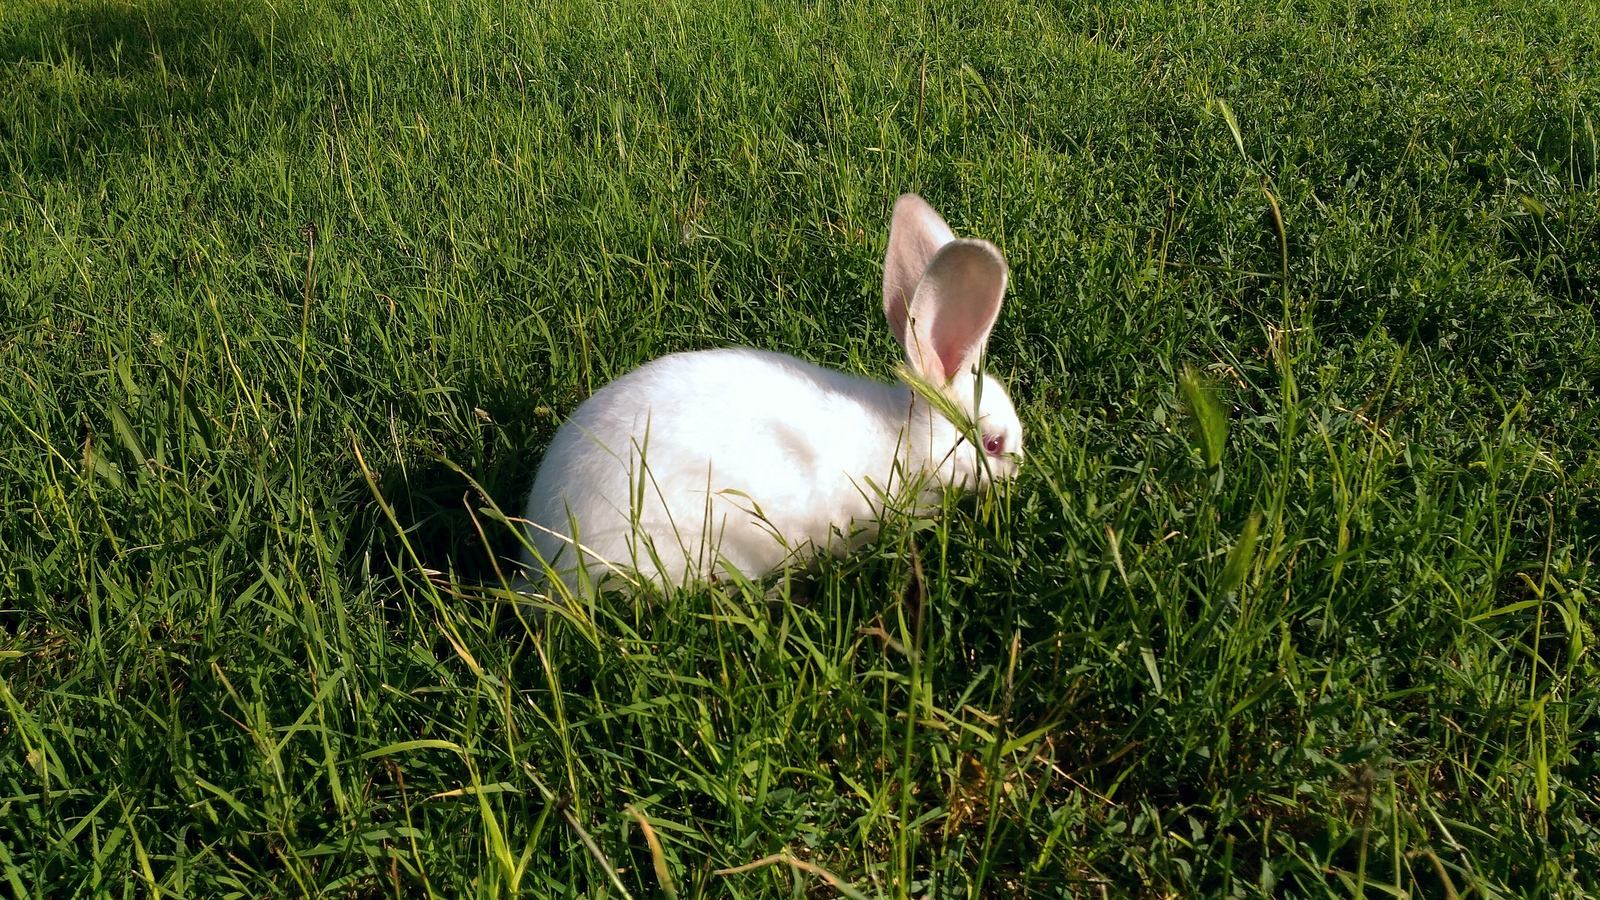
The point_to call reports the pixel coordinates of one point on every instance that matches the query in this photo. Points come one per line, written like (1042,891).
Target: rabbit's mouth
(999,467)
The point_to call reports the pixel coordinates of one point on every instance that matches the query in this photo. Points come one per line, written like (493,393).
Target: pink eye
(994,444)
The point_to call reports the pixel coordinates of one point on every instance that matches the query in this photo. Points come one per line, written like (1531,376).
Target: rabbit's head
(941,296)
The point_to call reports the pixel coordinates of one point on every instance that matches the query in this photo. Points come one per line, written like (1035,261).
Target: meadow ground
(263,263)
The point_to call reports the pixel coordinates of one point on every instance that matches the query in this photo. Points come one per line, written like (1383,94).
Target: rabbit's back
(735,454)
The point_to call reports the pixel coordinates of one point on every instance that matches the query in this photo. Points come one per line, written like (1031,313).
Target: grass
(1294,597)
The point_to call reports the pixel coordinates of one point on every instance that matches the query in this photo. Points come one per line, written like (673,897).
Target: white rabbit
(699,462)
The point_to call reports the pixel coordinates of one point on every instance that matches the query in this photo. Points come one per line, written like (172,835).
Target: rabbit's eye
(994,444)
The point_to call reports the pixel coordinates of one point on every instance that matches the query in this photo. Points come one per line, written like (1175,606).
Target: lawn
(1294,597)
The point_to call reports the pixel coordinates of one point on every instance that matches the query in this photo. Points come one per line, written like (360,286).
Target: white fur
(739,458)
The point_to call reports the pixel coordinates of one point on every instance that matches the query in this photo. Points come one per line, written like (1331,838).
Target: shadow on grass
(444,495)
(84,80)
(180,38)
(443,514)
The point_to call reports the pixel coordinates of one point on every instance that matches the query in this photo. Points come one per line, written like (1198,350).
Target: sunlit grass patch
(1293,596)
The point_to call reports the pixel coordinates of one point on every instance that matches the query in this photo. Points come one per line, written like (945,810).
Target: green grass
(1344,648)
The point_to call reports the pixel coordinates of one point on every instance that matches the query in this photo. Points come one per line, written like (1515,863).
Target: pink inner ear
(955,308)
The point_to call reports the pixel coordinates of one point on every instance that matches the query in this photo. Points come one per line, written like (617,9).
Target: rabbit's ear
(915,235)
(954,308)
